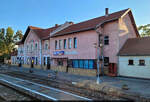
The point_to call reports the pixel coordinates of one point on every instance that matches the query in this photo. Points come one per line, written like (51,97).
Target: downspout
(41,54)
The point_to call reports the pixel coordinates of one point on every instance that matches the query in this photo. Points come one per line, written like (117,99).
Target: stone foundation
(14,64)
(26,66)
(37,66)
(77,71)
(106,71)
(84,72)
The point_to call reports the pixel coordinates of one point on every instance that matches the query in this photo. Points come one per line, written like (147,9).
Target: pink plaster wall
(117,31)
(45,52)
(126,30)
(111,50)
(32,36)
(85,45)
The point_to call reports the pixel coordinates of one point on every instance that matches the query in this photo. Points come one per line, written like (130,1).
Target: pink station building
(73,47)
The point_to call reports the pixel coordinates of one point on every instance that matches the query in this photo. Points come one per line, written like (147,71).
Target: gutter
(134,55)
(92,28)
(86,29)
(106,21)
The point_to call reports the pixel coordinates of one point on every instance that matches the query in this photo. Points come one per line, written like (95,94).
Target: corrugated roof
(136,47)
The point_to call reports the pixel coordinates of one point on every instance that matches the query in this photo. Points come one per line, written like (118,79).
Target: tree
(144,30)
(8,40)
(2,42)
(18,36)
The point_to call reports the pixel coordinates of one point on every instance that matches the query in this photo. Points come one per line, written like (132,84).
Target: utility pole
(98,60)
(102,57)
(98,75)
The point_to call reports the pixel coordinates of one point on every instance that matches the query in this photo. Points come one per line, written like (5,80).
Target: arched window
(75,42)
(36,45)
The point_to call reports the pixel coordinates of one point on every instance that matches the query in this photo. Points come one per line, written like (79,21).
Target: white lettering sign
(70,53)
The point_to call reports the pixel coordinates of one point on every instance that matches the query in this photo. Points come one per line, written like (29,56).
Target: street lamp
(101,45)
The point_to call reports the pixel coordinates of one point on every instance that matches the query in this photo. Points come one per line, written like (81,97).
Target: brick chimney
(61,27)
(106,11)
(71,23)
(56,25)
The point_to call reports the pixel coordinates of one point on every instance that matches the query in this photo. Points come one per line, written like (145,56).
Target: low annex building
(72,47)
(134,58)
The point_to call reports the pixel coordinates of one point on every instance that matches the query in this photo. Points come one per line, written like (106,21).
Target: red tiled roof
(44,33)
(41,33)
(32,27)
(90,24)
(82,26)
(136,46)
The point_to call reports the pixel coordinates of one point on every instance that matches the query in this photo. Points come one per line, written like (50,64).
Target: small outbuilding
(134,58)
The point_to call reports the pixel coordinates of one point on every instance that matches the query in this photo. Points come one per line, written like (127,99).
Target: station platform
(39,91)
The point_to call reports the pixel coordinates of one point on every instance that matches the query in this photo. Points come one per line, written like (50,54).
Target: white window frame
(36,47)
(69,43)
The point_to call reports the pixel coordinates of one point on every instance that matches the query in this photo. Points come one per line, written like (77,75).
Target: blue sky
(18,14)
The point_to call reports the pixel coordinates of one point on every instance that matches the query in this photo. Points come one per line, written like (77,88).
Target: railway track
(60,84)
(63,85)
(10,94)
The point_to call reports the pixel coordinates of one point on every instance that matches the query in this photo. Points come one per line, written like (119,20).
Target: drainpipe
(41,54)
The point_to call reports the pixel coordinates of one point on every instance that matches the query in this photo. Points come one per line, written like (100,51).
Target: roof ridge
(91,23)
(34,27)
(103,16)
